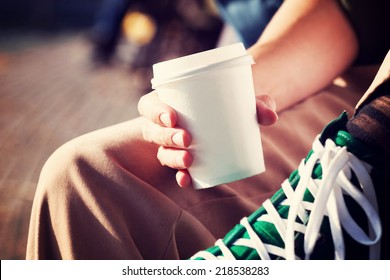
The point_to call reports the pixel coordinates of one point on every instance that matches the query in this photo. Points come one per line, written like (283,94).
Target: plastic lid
(190,65)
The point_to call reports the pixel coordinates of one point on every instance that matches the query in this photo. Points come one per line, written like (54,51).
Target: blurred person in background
(160,29)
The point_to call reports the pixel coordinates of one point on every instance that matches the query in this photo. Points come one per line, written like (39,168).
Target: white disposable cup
(213,95)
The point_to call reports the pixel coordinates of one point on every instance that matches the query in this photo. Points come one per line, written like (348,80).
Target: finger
(174,158)
(165,136)
(183,178)
(153,109)
(266,110)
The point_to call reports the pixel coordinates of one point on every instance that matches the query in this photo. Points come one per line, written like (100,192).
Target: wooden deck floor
(48,95)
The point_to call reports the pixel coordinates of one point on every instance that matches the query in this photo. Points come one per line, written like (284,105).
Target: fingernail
(270,118)
(164,118)
(177,139)
(271,107)
(276,116)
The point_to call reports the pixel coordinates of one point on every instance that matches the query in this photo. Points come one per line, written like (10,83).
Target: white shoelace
(337,167)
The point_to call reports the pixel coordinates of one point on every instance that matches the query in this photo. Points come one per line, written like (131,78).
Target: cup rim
(190,72)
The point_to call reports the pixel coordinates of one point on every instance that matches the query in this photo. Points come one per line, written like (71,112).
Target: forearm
(305,46)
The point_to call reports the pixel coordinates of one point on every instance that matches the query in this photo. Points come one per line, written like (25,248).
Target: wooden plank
(49,95)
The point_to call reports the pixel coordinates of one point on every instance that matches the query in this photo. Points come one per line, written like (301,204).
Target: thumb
(266,110)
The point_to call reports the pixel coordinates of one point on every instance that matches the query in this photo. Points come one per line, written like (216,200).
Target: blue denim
(109,18)
(248,17)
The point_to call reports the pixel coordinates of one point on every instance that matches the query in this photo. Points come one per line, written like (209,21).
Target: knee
(62,168)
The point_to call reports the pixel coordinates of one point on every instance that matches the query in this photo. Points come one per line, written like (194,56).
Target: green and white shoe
(326,209)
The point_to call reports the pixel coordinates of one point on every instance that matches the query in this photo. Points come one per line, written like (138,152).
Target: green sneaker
(326,209)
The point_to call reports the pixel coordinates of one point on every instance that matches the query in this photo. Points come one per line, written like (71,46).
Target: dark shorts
(370,20)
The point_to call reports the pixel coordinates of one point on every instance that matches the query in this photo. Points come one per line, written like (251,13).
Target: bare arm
(304,47)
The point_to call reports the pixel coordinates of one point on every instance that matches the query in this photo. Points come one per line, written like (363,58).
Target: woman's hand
(160,128)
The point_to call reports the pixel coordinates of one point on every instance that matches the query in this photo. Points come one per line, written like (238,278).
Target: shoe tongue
(332,129)
(336,130)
